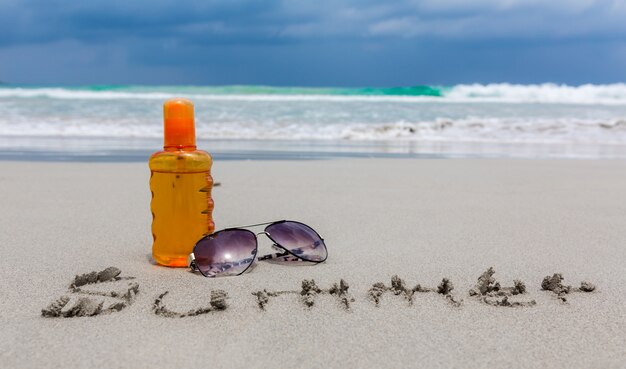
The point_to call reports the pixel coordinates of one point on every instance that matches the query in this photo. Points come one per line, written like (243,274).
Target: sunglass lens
(299,239)
(227,252)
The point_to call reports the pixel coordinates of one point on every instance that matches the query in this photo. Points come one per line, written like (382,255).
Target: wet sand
(406,283)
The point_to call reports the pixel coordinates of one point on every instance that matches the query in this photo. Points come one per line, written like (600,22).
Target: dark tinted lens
(227,252)
(299,239)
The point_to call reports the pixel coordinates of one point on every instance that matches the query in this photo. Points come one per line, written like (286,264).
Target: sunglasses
(232,251)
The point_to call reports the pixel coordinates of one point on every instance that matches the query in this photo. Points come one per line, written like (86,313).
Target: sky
(349,43)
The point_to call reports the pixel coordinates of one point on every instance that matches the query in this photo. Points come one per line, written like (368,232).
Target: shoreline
(95,150)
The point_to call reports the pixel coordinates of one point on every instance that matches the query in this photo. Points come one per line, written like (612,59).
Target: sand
(407,239)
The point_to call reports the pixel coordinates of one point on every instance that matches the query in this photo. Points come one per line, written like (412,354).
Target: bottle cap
(178,124)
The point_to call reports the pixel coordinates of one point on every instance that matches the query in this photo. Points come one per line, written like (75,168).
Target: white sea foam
(542,94)
(443,130)
(612,94)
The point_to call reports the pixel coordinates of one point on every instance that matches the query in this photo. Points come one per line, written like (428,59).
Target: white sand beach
(423,220)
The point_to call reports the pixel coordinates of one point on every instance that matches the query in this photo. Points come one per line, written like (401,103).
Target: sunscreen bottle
(181,183)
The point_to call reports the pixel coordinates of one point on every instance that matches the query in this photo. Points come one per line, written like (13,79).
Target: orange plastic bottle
(181,184)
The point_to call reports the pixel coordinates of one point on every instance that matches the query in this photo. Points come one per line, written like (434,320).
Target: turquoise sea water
(262,90)
(497,120)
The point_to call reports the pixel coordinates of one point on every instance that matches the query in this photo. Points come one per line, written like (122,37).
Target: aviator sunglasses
(232,251)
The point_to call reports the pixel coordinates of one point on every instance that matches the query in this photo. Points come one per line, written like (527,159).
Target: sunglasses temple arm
(287,256)
(191,261)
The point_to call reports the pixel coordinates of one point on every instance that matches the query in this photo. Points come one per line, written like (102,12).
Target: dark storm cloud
(316,41)
(33,21)
(55,20)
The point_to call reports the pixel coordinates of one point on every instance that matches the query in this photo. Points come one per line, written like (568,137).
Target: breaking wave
(611,94)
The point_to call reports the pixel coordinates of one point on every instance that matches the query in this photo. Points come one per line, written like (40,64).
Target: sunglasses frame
(191,260)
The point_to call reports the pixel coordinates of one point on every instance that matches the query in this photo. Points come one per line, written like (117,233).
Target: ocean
(118,123)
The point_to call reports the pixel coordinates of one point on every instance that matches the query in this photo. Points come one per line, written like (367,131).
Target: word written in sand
(88,306)
(398,287)
(487,290)
(555,284)
(308,294)
(218,302)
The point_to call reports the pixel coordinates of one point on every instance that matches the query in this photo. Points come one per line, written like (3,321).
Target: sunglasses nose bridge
(265,233)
